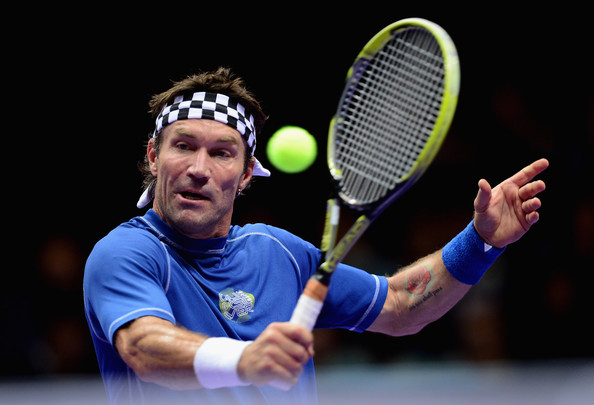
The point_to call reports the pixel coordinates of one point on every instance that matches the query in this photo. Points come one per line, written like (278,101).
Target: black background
(77,84)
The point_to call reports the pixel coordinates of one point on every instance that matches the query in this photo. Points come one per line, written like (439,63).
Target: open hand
(502,215)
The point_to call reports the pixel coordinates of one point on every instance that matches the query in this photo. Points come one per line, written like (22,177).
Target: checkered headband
(212,106)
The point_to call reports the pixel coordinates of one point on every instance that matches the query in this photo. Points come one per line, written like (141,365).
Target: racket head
(395,110)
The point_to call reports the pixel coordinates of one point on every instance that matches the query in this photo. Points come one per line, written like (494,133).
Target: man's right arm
(162,353)
(159,352)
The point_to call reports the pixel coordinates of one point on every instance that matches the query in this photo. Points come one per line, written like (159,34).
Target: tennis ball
(292,149)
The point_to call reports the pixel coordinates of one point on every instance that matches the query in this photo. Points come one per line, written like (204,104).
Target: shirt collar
(173,238)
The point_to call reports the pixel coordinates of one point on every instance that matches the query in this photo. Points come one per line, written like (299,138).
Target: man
(183,306)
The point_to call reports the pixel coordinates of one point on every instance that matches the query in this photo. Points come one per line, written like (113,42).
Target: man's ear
(151,154)
(247,175)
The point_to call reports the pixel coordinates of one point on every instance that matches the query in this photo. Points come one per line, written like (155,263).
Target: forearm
(426,290)
(159,352)
(418,295)
(162,353)
(429,303)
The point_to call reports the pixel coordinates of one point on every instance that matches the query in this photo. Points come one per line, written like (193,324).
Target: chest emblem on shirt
(236,305)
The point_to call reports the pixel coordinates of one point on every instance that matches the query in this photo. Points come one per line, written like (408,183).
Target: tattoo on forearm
(417,280)
(419,284)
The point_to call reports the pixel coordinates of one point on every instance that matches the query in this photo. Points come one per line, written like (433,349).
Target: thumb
(481,202)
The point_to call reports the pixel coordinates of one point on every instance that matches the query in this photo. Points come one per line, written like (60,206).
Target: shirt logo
(236,305)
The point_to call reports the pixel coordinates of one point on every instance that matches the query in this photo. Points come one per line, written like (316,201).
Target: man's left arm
(424,291)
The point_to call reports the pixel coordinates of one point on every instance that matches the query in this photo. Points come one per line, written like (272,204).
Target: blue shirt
(232,286)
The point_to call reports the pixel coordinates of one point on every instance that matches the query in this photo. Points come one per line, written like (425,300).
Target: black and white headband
(212,106)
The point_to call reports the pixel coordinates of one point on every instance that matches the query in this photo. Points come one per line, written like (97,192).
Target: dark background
(77,84)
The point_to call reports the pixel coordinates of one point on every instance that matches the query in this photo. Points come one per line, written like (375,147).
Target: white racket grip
(306,312)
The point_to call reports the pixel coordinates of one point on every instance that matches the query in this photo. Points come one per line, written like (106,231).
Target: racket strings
(389,115)
(379,93)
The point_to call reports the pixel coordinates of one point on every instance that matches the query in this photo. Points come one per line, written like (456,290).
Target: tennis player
(187,308)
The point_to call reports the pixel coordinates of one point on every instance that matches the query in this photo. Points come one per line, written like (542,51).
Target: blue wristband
(467,257)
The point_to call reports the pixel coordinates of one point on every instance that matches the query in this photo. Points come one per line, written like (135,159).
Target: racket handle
(306,313)
(309,304)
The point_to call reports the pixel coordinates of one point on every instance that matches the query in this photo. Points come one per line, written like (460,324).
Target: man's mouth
(188,195)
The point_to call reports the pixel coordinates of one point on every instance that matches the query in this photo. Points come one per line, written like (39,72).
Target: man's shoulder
(130,245)
(260,229)
(260,233)
(133,234)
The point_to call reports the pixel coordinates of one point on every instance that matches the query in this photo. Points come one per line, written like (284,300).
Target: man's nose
(200,165)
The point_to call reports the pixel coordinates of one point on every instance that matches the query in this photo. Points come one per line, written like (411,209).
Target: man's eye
(182,146)
(222,153)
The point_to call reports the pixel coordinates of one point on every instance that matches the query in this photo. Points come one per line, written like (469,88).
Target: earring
(238,192)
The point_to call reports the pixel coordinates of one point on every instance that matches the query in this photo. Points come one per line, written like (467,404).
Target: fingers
(531,189)
(506,212)
(532,217)
(529,172)
(289,348)
(531,205)
(481,202)
(277,356)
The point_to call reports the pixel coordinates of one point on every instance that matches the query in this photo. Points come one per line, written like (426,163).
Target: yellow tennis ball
(292,149)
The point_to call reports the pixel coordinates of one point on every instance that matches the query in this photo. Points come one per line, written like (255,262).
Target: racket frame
(311,300)
(442,123)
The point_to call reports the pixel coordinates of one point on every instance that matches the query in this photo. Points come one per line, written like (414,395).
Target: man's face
(199,171)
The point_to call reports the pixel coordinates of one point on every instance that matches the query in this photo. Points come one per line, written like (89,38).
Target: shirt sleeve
(355,299)
(126,277)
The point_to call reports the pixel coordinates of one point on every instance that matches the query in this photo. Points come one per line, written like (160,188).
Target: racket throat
(321,276)
(345,244)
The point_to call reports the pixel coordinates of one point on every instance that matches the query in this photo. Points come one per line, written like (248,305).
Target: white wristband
(215,362)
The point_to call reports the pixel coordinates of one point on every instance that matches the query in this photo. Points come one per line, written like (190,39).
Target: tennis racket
(393,115)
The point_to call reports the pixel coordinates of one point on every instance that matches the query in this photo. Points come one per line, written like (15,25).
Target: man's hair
(221,81)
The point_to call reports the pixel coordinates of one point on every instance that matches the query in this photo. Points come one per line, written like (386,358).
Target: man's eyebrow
(190,134)
(180,132)
(228,139)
